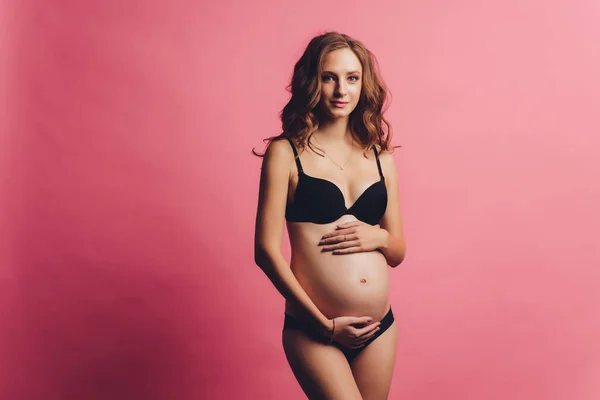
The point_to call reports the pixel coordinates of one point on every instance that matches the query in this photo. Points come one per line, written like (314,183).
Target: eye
(354,77)
(326,78)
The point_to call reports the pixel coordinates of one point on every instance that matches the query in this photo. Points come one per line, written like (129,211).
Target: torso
(354,284)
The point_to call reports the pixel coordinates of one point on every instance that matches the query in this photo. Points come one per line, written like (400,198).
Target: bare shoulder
(279,152)
(386,158)
(277,164)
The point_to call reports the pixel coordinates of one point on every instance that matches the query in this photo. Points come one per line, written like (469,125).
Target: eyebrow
(348,73)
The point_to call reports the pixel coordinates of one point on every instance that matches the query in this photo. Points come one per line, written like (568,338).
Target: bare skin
(336,273)
(355,284)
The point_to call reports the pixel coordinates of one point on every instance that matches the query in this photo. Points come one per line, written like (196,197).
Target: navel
(363,280)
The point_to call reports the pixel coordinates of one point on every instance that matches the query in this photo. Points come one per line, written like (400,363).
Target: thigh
(321,370)
(374,366)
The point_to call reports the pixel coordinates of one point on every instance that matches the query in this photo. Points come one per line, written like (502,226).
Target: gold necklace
(331,159)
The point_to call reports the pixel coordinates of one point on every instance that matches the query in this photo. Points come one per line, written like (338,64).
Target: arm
(394,248)
(272,199)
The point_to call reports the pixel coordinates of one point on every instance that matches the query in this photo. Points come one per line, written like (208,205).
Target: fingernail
(370,319)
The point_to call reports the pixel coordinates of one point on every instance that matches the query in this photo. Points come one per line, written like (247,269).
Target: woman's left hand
(354,237)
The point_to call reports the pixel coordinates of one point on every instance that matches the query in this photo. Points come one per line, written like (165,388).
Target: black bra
(321,201)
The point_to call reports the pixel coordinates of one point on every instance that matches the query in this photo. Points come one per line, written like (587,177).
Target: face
(341,83)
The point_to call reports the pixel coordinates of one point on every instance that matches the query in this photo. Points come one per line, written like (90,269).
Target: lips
(339,103)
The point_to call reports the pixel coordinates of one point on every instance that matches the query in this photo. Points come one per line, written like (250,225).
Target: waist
(294,322)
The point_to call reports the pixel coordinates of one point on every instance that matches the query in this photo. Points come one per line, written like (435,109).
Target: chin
(336,113)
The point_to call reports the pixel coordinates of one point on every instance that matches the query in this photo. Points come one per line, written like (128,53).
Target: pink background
(128,195)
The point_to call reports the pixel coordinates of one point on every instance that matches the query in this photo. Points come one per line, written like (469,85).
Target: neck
(336,130)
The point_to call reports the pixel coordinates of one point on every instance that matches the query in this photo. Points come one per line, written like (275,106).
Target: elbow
(395,261)
(262,255)
(395,250)
(259,255)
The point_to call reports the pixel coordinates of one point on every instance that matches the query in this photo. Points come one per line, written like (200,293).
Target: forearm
(394,249)
(279,273)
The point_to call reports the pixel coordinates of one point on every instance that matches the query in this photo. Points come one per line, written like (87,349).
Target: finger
(345,231)
(367,329)
(360,342)
(361,320)
(339,239)
(337,233)
(332,240)
(335,236)
(328,235)
(342,245)
(369,336)
(364,340)
(355,248)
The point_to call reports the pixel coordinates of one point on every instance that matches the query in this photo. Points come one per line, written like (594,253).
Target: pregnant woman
(331,176)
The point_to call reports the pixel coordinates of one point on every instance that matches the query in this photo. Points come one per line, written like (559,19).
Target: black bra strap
(378,164)
(295,155)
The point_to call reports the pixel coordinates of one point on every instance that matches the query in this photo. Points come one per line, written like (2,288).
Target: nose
(341,89)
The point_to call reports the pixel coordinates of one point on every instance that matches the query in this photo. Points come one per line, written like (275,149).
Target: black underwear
(291,322)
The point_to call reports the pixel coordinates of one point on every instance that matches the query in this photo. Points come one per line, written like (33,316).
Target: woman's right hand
(353,332)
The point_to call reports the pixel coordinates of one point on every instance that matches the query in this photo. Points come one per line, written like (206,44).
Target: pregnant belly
(354,284)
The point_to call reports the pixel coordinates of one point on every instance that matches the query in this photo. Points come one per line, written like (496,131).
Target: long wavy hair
(300,117)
